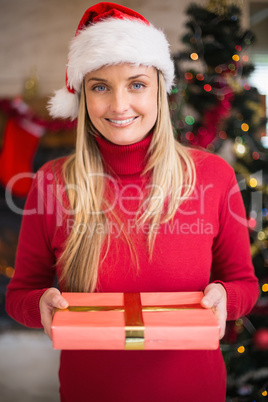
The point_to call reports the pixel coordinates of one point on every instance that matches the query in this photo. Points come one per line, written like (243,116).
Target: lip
(122,122)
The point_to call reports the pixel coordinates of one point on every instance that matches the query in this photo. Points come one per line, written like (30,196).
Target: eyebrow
(128,79)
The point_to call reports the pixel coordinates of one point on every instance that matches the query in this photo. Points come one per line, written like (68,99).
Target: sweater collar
(124,160)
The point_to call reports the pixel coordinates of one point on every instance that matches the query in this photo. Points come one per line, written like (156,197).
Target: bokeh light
(241,349)
(188,76)
(189,136)
(194,56)
(244,127)
(252,223)
(264,287)
(222,135)
(207,87)
(189,120)
(218,69)
(253,182)
(199,77)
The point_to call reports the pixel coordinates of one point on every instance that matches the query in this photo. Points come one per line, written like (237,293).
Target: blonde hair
(84,170)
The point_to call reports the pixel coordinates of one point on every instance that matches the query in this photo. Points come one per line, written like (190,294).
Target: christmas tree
(214,107)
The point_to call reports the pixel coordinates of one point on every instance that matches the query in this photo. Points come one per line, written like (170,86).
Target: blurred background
(219,103)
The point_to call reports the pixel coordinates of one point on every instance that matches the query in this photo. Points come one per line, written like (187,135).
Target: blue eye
(138,85)
(99,88)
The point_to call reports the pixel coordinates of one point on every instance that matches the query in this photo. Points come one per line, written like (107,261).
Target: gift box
(135,321)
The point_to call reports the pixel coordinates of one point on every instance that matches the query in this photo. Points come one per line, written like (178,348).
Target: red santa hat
(108,34)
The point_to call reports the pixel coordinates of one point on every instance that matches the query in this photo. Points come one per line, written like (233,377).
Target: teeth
(121,122)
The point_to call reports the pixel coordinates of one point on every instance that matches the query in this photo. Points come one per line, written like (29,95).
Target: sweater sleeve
(35,261)
(232,264)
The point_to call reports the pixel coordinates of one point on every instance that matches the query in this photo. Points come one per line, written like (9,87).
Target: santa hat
(110,34)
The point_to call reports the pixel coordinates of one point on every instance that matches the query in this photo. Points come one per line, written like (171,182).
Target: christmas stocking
(21,139)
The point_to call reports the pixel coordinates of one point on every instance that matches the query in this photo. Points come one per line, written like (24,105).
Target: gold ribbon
(134,324)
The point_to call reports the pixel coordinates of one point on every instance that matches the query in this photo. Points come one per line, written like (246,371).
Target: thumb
(59,302)
(211,296)
(206,302)
(54,298)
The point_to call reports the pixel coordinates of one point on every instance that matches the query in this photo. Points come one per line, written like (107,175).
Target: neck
(124,160)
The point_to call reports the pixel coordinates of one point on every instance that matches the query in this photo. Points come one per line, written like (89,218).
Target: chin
(124,141)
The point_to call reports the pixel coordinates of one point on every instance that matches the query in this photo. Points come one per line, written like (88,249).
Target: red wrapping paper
(150,321)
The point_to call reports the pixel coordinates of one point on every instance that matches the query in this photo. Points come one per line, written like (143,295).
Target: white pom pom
(63,104)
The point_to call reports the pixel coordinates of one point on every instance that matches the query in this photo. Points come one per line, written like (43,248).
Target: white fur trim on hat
(64,104)
(108,42)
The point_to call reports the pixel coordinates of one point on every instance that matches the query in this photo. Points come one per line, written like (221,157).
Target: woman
(131,211)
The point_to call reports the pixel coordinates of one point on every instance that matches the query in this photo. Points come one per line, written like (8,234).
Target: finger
(54,298)
(212,297)
(51,298)
(46,322)
(215,298)
(58,301)
(220,314)
(222,329)
(208,303)
(214,293)
(46,318)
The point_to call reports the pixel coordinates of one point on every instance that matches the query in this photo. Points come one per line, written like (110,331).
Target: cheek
(150,104)
(94,110)
(151,111)
(147,106)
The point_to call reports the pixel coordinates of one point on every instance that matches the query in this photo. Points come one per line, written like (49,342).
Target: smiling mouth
(122,122)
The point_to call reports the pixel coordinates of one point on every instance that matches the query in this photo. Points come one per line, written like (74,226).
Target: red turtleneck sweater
(207,242)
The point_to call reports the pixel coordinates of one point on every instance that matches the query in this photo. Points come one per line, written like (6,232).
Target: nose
(119,101)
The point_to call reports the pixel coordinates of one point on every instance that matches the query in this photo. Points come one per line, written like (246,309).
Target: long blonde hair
(84,171)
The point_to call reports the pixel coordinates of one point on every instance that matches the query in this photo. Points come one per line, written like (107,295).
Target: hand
(50,298)
(216,298)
